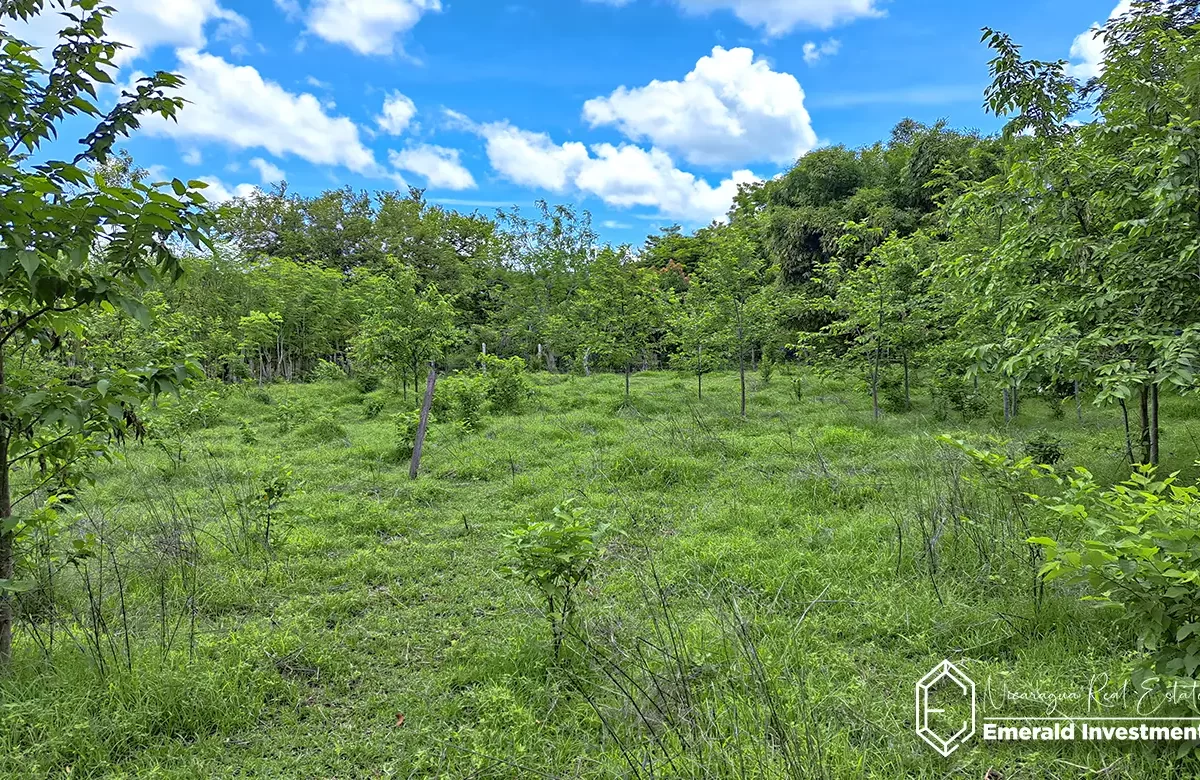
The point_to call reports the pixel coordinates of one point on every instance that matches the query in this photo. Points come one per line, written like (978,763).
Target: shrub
(1045,448)
(191,411)
(955,391)
(258,395)
(766,367)
(324,428)
(246,430)
(290,413)
(327,371)
(407,424)
(506,383)
(1141,554)
(464,395)
(556,557)
(366,381)
(373,406)
(891,390)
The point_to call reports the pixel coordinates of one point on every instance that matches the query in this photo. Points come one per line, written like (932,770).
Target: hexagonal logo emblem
(946,708)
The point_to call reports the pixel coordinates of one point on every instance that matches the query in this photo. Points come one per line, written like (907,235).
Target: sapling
(555,556)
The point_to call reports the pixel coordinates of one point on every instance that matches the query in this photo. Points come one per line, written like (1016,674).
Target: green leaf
(30,261)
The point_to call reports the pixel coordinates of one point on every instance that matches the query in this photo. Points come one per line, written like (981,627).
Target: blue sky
(645,112)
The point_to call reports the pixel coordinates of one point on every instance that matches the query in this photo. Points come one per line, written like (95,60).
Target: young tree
(1092,267)
(71,241)
(404,326)
(734,272)
(618,310)
(884,302)
(549,257)
(695,330)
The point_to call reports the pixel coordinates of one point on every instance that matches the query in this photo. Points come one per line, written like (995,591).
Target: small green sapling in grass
(556,557)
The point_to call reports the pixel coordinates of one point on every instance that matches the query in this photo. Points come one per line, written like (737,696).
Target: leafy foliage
(1141,553)
(556,557)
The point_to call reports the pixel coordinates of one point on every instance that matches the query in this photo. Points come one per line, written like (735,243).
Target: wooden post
(424,426)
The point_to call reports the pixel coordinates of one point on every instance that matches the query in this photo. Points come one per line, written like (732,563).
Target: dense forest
(939,274)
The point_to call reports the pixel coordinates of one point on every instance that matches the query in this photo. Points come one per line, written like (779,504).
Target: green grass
(764,601)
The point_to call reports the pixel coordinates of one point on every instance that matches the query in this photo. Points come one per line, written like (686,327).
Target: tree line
(1057,257)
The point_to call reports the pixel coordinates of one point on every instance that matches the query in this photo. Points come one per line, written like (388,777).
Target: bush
(556,557)
(324,428)
(464,396)
(766,367)
(506,383)
(955,391)
(373,406)
(366,381)
(327,371)
(1141,555)
(290,413)
(1045,448)
(406,425)
(891,390)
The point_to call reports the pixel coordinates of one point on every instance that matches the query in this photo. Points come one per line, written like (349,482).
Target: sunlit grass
(794,532)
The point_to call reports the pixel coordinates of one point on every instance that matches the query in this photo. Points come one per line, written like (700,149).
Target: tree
(1091,267)
(884,305)
(618,310)
(72,241)
(695,327)
(733,273)
(548,259)
(404,326)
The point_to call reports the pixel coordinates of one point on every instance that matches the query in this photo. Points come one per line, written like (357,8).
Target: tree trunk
(1128,435)
(1144,419)
(415,465)
(628,370)
(875,385)
(1154,424)
(907,385)
(742,362)
(1079,404)
(700,372)
(7,556)
(1007,407)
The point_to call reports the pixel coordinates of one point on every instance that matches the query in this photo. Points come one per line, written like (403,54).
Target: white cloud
(731,109)
(532,159)
(145,25)
(233,104)
(217,192)
(612,224)
(291,8)
(268,172)
(778,17)
(1088,49)
(814,51)
(367,26)
(193,157)
(628,175)
(398,111)
(622,176)
(439,166)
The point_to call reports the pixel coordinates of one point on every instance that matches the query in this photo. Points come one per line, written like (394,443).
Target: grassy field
(764,606)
